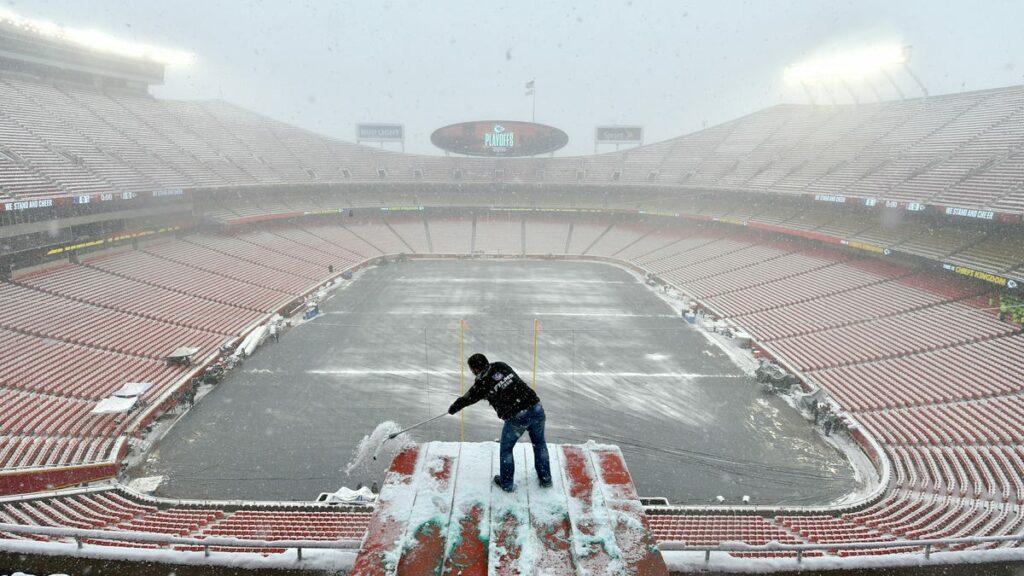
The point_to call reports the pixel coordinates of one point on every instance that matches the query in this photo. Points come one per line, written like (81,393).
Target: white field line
(467,312)
(578,374)
(538,281)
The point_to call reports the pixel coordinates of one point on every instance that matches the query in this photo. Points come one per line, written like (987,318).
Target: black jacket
(503,388)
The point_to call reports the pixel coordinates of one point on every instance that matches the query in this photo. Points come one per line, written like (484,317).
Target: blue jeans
(532,420)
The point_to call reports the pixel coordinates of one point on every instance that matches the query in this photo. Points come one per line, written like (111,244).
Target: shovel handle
(428,420)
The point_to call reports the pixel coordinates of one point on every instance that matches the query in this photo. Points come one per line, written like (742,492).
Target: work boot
(545,483)
(497,482)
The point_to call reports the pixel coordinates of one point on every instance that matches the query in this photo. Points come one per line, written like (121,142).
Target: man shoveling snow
(518,406)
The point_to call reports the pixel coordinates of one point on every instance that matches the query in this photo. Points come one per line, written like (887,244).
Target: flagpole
(533,116)
(531,90)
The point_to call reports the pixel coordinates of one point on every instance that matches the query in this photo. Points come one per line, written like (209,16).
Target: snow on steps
(439,513)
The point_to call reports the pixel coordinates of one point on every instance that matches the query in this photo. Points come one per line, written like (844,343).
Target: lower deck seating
(921,364)
(451,235)
(709,530)
(117,511)
(74,334)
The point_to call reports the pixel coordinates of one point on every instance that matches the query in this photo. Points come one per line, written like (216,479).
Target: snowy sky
(668,65)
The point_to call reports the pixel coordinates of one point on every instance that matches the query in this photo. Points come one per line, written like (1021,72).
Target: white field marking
(453,312)
(654,374)
(545,281)
(398,372)
(608,374)
(601,314)
(462,313)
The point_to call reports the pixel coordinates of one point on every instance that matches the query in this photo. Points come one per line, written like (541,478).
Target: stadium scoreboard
(499,138)
(380,132)
(619,134)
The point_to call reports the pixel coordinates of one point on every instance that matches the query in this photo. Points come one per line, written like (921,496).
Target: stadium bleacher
(115,510)
(950,150)
(912,353)
(902,388)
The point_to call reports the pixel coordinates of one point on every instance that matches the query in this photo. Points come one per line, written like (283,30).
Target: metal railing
(927,546)
(80,536)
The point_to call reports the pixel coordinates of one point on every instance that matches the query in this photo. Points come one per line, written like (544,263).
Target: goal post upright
(462,377)
(536,330)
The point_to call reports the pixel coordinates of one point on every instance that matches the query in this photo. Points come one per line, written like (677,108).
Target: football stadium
(789,341)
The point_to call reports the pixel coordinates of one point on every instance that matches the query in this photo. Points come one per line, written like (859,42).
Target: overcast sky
(670,66)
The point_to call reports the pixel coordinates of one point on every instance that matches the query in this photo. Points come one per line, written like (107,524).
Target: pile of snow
(344,494)
(375,451)
(453,479)
(147,484)
(427,500)
(114,405)
(133,389)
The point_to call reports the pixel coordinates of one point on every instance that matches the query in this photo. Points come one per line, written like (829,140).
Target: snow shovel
(392,436)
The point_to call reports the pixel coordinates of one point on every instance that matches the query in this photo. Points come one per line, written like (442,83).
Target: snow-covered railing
(99,487)
(355,507)
(32,479)
(80,535)
(928,546)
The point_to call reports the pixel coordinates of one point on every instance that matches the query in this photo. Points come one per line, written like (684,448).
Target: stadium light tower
(810,95)
(907,50)
(854,66)
(894,85)
(878,95)
(97,41)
